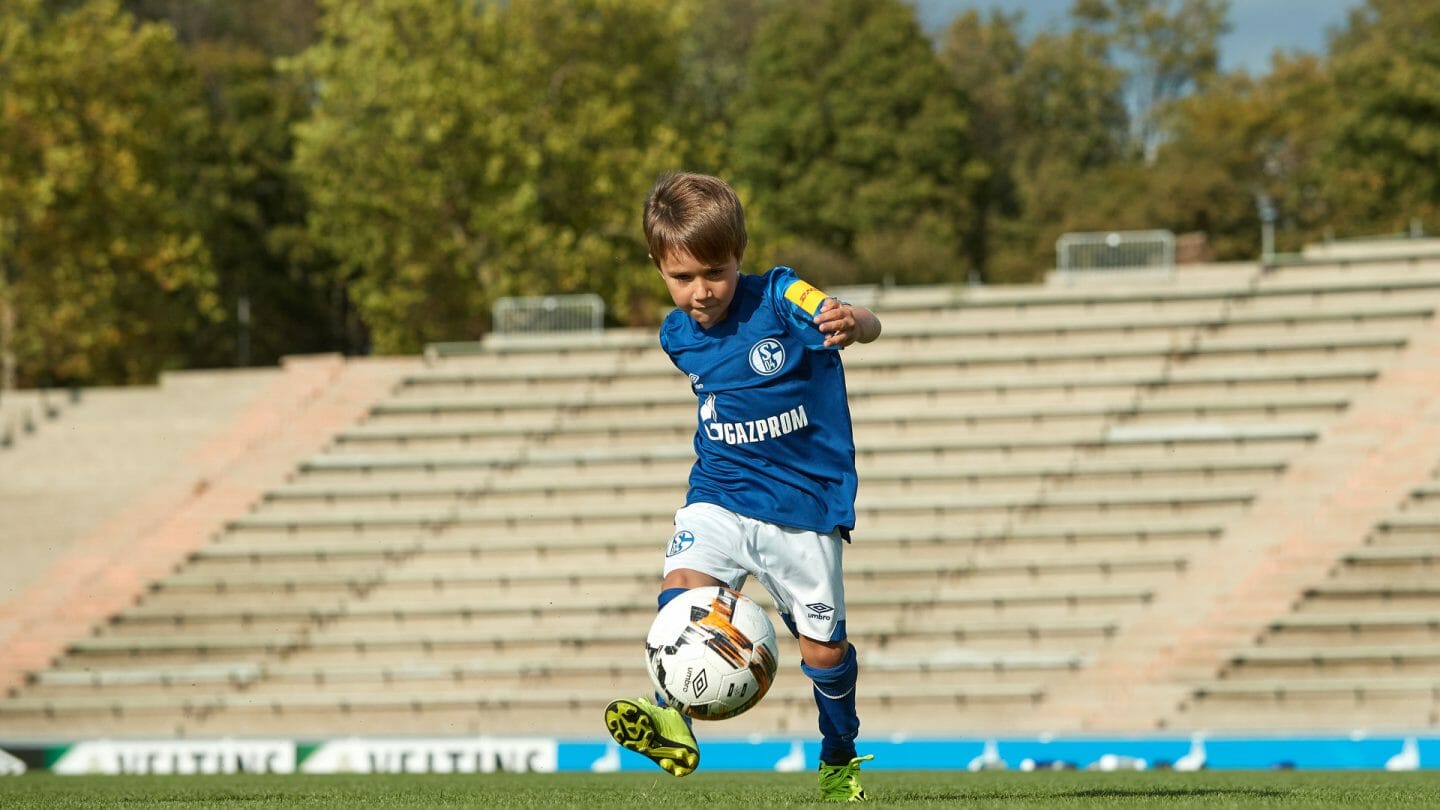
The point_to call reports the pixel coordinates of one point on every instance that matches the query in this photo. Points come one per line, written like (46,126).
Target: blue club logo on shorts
(682,540)
(767,357)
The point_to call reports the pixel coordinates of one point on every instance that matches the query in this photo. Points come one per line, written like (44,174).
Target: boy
(772,492)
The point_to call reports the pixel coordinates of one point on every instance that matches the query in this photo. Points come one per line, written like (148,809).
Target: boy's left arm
(844,324)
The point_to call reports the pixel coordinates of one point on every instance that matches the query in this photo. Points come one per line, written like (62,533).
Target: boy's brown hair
(697,214)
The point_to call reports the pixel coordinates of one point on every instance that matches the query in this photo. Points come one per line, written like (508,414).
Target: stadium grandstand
(1192,502)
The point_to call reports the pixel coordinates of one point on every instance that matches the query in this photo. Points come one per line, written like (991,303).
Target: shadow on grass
(1167,793)
(1238,796)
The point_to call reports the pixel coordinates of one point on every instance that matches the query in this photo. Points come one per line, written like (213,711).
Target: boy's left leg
(834,688)
(833,669)
(655,730)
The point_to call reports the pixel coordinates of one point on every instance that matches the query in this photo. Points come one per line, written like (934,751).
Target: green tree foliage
(1243,139)
(1055,136)
(276,28)
(406,162)
(985,58)
(1169,48)
(255,219)
(1385,67)
(102,262)
(718,38)
(1067,120)
(459,152)
(271,273)
(851,137)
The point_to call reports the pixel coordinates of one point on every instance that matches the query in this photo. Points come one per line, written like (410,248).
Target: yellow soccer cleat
(659,733)
(841,783)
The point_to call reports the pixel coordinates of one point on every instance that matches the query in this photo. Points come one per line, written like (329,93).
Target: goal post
(1102,251)
(548,314)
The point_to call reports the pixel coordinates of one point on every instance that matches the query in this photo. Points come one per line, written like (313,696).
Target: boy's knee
(688,578)
(823,654)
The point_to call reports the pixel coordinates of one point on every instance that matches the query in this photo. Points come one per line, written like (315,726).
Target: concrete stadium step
(538,711)
(872,425)
(926,506)
(1376,662)
(1406,529)
(188,680)
(633,573)
(913,333)
(1121,441)
(289,571)
(1184,379)
(1383,594)
(490,675)
(1141,356)
(866,368)
(880,479)
(1356,626)
(1421,693)
(1021,539)
(986,616)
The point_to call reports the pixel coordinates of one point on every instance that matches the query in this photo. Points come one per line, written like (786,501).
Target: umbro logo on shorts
(820,611)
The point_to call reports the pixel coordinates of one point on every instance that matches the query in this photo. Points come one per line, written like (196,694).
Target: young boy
(772,492)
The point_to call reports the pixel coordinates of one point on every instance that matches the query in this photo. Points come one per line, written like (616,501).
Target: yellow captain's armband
(805,296)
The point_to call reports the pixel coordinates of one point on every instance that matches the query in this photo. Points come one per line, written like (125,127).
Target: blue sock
(668,595)
(664,599)
(835,698)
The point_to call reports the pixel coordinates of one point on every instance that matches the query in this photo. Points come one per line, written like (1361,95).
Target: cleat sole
(633,730)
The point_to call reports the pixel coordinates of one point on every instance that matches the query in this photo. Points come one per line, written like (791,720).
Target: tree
(282,292)
(1385,66)
(102,266)
(717,42)
(853,138)
(1242,139)
(1073,165)
(284,28)
(1168,48)
(985,58)
(1066,120)
(462,152)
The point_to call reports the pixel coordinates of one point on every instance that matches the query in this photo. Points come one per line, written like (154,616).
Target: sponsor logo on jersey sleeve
(805,296)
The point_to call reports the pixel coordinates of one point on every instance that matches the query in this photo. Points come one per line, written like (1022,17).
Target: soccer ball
(711,653)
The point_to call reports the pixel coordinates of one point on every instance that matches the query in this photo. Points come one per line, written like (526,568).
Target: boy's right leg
(658,733)
(653,730)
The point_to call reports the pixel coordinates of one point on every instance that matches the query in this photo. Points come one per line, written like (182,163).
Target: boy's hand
(843,324)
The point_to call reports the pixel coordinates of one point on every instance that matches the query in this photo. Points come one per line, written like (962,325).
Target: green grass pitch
(1213,789)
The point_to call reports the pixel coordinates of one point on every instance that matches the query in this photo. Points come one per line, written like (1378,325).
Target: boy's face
(703,291)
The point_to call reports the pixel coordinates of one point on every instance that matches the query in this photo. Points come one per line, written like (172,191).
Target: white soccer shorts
(800,569)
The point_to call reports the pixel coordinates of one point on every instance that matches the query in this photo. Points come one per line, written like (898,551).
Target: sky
(1258,27)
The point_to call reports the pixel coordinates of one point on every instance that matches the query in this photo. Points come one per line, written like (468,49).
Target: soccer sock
(835,697)
(668,595)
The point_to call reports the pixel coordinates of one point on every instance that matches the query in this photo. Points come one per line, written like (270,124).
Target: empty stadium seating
(1363,646)
(1039,468)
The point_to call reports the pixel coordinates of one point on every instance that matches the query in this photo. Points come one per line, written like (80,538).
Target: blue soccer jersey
(774,440)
